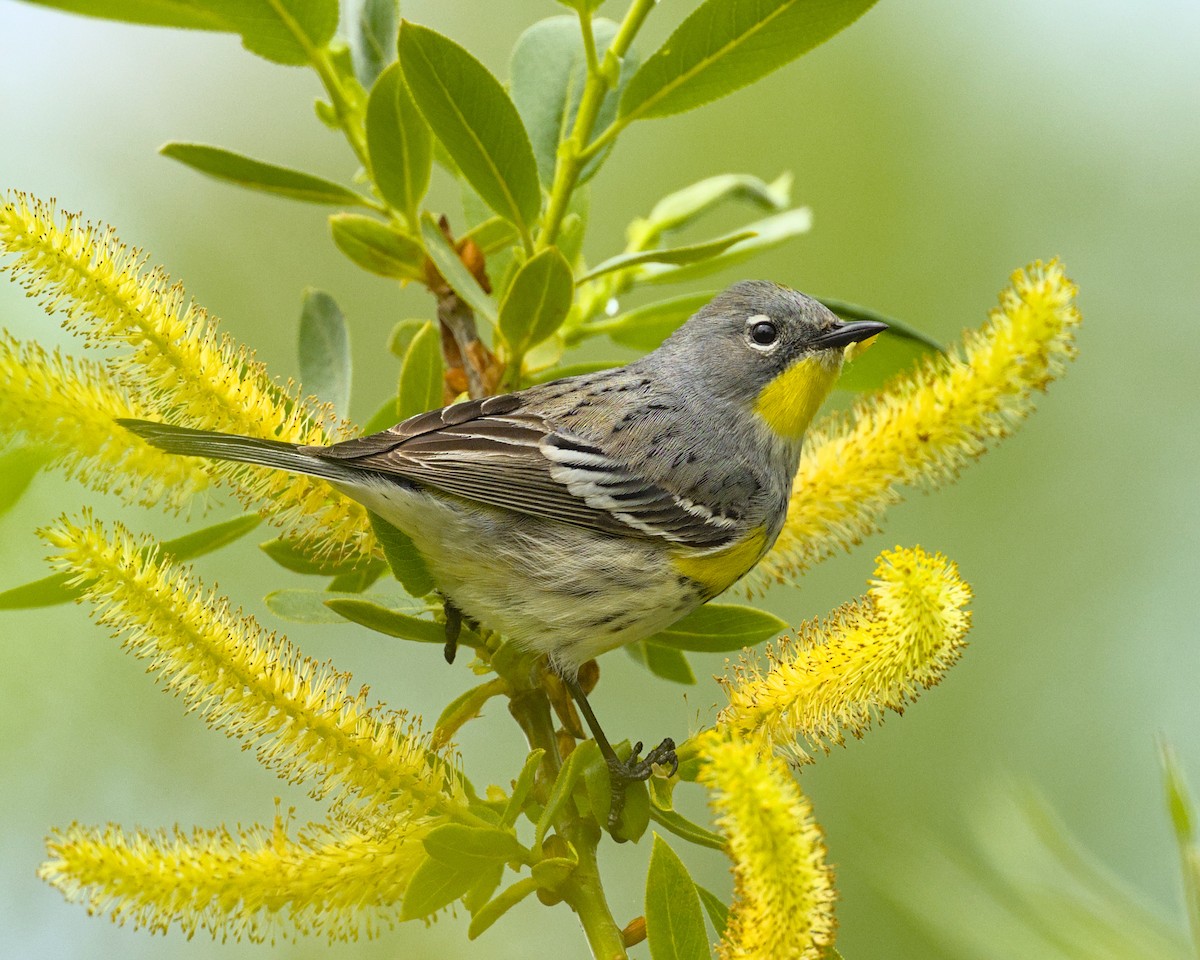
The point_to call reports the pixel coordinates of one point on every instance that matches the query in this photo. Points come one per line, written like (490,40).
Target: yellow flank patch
(719,569)
(790,401)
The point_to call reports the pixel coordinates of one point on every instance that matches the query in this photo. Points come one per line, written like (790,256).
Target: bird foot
(621,773)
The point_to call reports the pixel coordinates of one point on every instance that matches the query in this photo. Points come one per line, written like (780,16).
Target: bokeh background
(941,145)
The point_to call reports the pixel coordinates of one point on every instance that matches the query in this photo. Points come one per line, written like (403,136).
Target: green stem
(348,113)
(584,893)
(572,155)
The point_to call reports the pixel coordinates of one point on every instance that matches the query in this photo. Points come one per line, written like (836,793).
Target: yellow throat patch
(790,401)
(718,570)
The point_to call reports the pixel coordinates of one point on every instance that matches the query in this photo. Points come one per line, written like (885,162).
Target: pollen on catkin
(871,655)
(783,892)
(925,426)
(70,408)
(181,369)
(256,883)
(299,715)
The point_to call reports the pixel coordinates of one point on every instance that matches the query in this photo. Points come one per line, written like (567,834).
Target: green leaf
(552,872)
(665,662)
(399,143)
(472,848)
(487,879)
(693,253)
(392,623)
(644,328)
(491,234)
(767,233)
(522,786)
(298,558)
(358,580)
(685,829)
(465,707)
(373,38)
(674,923)
(388,415)
(305,606)
(718,913)
(678,209)
(893,351)
(377,248)
(475,120)
(587,753)
(256,175)
(408,566)
(493,910)
(583,6)
(597,782)
(325,351)
(725,45)
(537,302)
(454,271)
(1183,820)
(18,467)
(283,31)
(548,71)
(421,373)
(403,333)
(720,627)
(635,815)
(433,886)
(53,589)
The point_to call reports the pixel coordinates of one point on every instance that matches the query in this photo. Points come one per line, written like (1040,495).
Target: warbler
(590,512)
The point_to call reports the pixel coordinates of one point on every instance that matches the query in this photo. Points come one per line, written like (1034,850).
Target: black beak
(841,334)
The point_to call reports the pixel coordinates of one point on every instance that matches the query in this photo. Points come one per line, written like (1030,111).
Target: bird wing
(493,452)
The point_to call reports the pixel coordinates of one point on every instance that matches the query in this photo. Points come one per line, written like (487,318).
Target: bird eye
(763,333)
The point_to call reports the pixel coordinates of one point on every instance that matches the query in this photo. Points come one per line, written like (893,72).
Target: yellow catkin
(181,368)
(870,655)
(256,883)
(922,428)
(783,889)
(69,407)
(300,716)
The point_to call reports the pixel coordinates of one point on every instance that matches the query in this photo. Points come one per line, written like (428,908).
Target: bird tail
(227,446)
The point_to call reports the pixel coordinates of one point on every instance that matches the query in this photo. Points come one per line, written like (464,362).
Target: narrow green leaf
(564,785)
(52,590)
(433,886)
(454,271)
(693,253)
(283,31)
(408,566)
(256,175)
(552,872)
(305,606)
(373,38)
(725,45)
(491,234)
(388,415)
(18,467)
(399,143)
(718,913)
(421,373)
(894,350)
(635,815)
(767,233)
(493,910)
(1183,820)
(522,786)
(537,302)
(465,707)
(298,558)
(674,923)
(393,623)
(548,71)
(678,209)
(665,662)
(376,247)
(472,848)
(324,349)
(720,627)
(644,328)
(475,120)
(685,829)
(356,581)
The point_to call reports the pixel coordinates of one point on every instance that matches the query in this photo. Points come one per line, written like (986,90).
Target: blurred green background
(941,145)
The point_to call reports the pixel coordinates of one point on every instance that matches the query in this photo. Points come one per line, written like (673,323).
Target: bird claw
(621,773)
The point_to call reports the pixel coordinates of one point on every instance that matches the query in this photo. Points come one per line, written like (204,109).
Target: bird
(583,514)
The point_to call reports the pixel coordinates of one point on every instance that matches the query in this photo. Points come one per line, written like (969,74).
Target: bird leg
(621,773)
